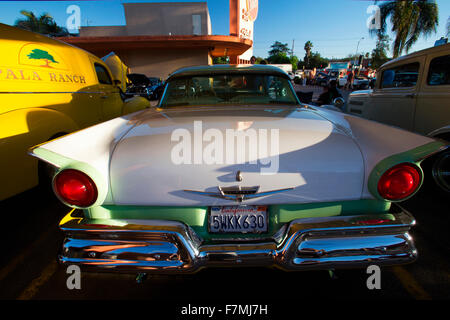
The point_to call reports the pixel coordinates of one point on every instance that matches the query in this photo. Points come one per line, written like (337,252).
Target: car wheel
(440,171)
(436,171)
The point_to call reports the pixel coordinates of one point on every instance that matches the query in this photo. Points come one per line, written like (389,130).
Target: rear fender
(134,104)
(89,151)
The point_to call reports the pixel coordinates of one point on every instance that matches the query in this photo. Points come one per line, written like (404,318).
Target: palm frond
(410,19)
(44,24)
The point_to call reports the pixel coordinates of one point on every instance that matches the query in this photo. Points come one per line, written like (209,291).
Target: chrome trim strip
(160,246)
(228,193)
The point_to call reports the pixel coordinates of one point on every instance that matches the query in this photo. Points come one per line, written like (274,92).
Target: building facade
(159,38)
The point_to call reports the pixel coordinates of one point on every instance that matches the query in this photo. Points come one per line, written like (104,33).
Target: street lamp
(357,47)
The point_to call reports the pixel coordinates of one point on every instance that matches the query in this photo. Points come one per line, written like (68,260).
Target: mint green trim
(64,163)
(278,215)
(289,212)
(415,156)
(192,216)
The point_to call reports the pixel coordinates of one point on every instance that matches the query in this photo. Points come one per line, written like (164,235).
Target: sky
(335,27)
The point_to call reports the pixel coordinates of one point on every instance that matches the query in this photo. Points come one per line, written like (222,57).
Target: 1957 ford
(232,170)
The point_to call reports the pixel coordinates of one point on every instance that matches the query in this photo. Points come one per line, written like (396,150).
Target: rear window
(401,77)
(439,71)
(228,89)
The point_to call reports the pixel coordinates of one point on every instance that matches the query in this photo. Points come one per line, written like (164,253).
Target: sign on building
(243,14)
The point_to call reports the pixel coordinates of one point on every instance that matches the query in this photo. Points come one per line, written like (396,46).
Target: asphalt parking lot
(29,269)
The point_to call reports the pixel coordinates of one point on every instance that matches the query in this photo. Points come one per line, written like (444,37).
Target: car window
(401,77)
(102,74)
(439,71)
(229,89)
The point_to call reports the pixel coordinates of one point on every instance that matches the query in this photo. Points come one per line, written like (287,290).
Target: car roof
(227,69)
(444,48)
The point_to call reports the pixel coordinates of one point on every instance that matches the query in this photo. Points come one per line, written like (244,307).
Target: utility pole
(357,47)
(292,51)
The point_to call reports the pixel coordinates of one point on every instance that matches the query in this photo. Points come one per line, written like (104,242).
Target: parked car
(324,79)
(321,79)
(333,75)
(147,87)
(178,188)
(291,75)
(138,85)
(49,89)
(413,92)
(342,81)
(156,88)
(360,83)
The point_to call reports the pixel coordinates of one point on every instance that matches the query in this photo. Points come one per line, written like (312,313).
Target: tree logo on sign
(39,54)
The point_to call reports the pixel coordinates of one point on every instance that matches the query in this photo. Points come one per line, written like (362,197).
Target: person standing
(349,83)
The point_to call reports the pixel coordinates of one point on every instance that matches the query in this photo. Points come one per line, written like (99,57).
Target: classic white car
(232,170)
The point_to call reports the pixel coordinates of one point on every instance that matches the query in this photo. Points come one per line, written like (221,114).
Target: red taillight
(75,188)
(399,182)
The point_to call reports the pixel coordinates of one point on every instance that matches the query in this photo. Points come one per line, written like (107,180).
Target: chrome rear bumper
(172,247)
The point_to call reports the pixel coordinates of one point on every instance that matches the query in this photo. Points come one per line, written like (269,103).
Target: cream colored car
(412,92)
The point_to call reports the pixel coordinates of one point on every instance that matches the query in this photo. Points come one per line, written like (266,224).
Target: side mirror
(339,102)
(117,82)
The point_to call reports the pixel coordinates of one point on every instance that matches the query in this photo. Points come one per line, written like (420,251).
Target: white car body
(134,170)
(321,198)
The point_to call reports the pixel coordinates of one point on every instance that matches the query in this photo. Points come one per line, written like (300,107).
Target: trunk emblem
(239,176)
(238,193)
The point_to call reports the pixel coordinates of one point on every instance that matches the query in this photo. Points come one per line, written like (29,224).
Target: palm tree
(44,24)
(308,46)
(410,19)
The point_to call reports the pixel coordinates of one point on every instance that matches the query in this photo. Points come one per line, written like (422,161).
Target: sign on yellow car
(47,89)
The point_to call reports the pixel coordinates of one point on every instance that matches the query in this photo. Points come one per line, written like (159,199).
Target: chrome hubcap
(441,171)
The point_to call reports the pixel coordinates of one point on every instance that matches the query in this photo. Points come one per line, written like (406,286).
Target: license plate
(238,219)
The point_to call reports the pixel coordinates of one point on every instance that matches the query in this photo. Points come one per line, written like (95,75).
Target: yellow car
(47,89)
